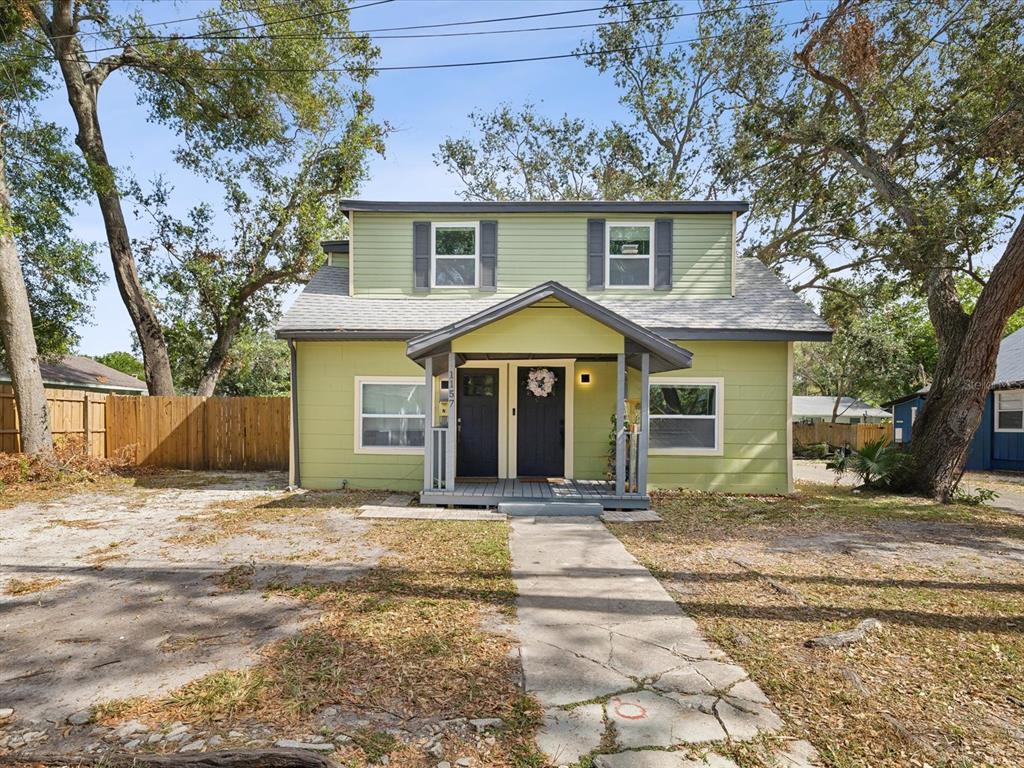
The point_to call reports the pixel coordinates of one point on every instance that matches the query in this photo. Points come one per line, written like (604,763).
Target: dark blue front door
(540,435)
(477,408)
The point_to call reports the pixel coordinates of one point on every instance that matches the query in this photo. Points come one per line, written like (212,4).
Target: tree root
(846,637)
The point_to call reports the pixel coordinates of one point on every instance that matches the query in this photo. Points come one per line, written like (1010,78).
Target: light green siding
(326,395)
(551,329)
(594,406)
(534,248)
(755,455)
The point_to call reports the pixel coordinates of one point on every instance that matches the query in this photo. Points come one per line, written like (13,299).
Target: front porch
(489,438)
(490,493)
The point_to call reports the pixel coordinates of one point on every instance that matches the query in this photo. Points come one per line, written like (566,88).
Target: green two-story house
(482,352)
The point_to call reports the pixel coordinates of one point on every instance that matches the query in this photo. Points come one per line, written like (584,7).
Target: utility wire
(474,33)
(461,64)
(224,14)
(492,62)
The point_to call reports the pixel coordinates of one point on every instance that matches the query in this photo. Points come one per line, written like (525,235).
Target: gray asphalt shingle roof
(1010,362)
(763,308)
(84,372)
(809,406)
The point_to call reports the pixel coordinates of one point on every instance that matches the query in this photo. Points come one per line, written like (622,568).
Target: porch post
(645,420)
(620,426)
(428,433)
(453,425)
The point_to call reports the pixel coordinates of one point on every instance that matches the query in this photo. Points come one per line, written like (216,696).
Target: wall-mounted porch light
(584,378)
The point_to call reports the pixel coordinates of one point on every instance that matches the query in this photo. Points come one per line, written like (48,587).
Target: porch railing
(439,458)
(631,447)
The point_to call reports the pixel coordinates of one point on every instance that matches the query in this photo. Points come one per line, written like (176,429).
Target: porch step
(550,508)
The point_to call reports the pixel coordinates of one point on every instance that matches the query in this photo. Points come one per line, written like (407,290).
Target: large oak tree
(251,74)
(918,111)
(46,275)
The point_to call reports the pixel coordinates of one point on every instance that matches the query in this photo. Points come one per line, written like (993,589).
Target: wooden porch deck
(490,493)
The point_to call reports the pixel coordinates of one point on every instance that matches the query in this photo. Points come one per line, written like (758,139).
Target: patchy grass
(98,556)
(406,641)
(940,685)
(238,577)
(254,516)
(43,491)
(19,587)
(81,525)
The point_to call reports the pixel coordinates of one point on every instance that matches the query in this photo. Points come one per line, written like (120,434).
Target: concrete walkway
(611,657)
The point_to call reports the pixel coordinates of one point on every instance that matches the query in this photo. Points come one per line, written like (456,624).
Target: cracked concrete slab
(646,719)
(566,735)
(654,759)
(598,630)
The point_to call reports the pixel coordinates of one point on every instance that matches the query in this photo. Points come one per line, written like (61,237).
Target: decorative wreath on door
(540,382)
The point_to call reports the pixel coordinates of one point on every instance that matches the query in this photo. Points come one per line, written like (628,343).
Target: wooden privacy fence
(181,432)
(72,412)
(200,432)
(839,435)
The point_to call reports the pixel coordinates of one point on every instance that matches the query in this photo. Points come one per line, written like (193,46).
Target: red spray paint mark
(628,710)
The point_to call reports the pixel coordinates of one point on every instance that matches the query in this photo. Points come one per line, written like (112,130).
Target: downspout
(296,478)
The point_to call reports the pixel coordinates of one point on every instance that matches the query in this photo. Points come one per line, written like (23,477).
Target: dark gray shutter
(421,255)
(488,255)
(595,253)
(663,255)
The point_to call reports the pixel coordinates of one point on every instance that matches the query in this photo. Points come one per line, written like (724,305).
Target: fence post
(86,426)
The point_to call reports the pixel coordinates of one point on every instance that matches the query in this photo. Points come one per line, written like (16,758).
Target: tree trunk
(82,94)
(19,341)
(835,408)
(215,361)
(968,347)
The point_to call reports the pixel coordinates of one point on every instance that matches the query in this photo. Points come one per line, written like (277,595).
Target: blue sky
(423,107)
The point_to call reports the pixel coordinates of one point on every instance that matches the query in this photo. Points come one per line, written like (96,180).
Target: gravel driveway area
(136,592)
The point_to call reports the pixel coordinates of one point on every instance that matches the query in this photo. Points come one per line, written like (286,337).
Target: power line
(495,62)
(461,64)
(474,33)
(224,14)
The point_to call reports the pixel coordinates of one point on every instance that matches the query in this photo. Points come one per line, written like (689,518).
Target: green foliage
(883,346)
(46,180)
(125,362)
(675,112)
(974,498)
(879,464)
(255,73)
(257,365)
(892,144)
(815,451)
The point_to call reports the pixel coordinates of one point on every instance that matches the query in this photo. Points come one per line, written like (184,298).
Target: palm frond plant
(879,464)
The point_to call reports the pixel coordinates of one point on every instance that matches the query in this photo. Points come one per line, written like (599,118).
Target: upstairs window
(455,255)
(628,255)
(686,416)
(1010,410)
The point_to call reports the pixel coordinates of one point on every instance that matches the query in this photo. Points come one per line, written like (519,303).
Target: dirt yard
(938,684)
(192,611)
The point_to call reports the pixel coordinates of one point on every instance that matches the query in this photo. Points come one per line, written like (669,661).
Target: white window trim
(998,409)
(358,421)
(608,256)
(475,226)
(719,385)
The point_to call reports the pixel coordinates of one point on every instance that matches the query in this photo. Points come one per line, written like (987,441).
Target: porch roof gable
(665,356)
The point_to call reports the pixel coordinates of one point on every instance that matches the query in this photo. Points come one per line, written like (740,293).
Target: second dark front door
(477,408)
(540,434)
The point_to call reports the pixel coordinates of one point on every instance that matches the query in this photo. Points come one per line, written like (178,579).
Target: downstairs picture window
(392,415)
(1010,410)
(686,416)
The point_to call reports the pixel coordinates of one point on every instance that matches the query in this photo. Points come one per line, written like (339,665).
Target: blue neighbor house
(999,442)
